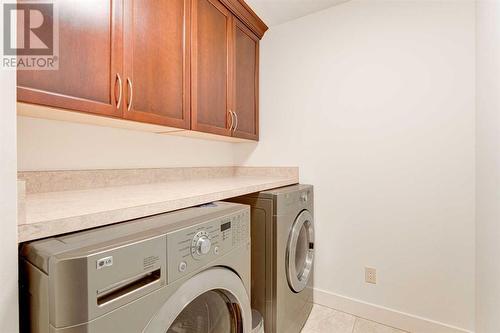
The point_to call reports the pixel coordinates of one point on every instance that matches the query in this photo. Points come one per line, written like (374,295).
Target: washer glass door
(211,312)
(300,252)
(213,301)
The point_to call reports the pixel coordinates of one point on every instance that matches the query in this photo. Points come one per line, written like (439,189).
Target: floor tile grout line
(356,318)
(354,325)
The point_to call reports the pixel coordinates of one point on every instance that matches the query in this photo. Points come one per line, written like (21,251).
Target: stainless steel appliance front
(282,230)
(182,269)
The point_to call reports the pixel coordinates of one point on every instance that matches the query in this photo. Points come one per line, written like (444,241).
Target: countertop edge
(44,229)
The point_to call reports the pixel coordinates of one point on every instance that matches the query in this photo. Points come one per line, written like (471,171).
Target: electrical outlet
(370,275)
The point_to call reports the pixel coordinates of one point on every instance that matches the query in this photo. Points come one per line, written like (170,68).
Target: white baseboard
(389,317)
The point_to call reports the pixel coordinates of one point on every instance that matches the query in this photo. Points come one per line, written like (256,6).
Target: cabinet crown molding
(241,10)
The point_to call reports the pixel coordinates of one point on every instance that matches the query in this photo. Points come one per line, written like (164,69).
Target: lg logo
(28,29)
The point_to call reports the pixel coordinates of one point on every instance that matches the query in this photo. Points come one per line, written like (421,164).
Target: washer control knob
(216,250)
(304,196)
(203,245)
(182,266)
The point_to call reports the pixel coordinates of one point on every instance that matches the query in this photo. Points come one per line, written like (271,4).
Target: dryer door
(213,301)
(300,252)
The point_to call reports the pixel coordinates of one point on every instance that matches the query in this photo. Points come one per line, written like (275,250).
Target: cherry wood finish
(246,82)
(156,61)
(182,63)
(90,57)
(212,67)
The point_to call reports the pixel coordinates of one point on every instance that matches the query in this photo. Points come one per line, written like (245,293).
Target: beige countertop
(59,202)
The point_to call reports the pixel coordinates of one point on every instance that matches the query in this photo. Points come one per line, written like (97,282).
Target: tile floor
(326,320)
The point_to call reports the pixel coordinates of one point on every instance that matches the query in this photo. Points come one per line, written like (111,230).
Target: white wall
(8,205)
(55,145)
(374,100)
(488,167)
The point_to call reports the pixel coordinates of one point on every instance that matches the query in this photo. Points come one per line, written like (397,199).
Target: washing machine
(182,272)
(282,229)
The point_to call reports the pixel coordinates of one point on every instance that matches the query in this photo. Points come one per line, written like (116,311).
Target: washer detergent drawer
(84,285)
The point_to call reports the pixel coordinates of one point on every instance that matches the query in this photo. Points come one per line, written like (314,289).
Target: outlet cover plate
(370,275)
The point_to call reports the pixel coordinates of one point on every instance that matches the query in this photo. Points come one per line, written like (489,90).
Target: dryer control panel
(191,248)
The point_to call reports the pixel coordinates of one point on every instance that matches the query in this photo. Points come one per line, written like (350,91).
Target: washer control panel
(193,247)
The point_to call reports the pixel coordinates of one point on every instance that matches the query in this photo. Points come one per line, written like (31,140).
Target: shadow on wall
(243,152)
(56,145)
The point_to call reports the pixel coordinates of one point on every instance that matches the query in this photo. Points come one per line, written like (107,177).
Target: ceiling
(274,12)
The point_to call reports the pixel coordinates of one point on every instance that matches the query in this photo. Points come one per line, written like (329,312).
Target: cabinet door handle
(236,122)
(120,87)
(131,93)
(232,120)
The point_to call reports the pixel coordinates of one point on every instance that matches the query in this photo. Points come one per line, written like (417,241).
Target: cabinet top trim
(243,11)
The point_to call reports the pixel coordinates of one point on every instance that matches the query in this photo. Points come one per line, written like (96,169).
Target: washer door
(300,252)
(213,301)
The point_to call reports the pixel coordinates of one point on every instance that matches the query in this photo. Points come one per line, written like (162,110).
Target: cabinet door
(90,56)
(211,67)
(156,61)
(246,83)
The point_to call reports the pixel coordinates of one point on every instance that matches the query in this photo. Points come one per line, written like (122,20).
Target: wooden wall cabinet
(246,82)
(211,59)
(188,64)
(156,76)
(225,62)
(90,60)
